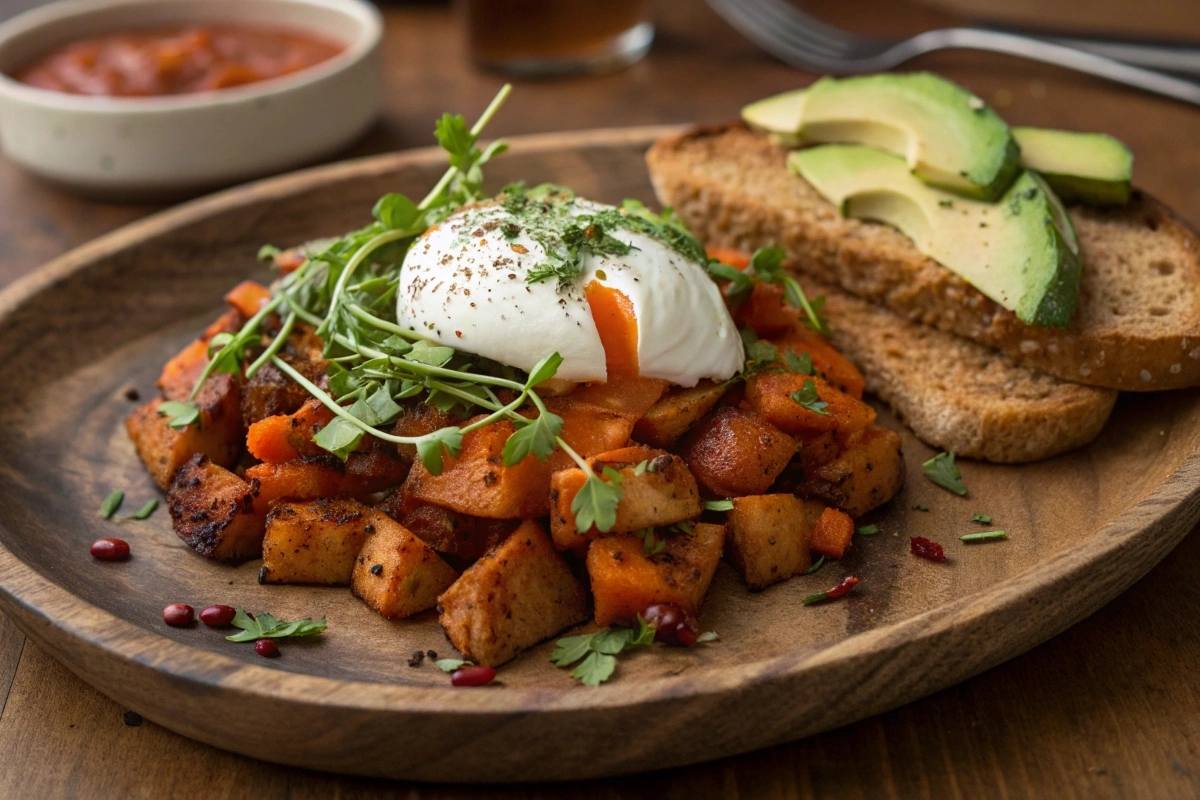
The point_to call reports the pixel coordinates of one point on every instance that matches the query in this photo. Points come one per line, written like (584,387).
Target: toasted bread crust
(1137,327)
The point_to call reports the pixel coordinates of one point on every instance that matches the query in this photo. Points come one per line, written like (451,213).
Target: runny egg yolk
(616,323)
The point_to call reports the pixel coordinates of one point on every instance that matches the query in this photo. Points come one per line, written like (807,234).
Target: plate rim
(43,608)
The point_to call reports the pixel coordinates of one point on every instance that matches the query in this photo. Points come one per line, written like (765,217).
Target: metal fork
(802,41)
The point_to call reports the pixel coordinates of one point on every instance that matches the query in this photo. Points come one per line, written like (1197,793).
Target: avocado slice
(1020,251)
(950,138)
(1081,167)
(779,116)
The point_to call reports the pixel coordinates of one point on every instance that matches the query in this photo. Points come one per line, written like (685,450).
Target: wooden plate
(73,336)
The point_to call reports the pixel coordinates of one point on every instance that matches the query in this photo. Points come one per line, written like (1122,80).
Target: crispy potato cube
(672,416)
(447,531)
(864,476)
(832,533)
(315,542)
(589,429)
(213,511)
(218,434)
(514,597)
(767,541)
(396,573)
(478,483)
(623,394)
(734,453)
(664,493)
(626,581)
(770,394)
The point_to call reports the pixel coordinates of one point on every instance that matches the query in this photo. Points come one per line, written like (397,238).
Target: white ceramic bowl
(129,147)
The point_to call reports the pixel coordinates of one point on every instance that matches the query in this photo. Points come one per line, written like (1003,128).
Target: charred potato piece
(865,475)
(419,419)
(213,511)
(672,416)
(362,474)
(626,581)
(662,493)
(514,597)
(315,542)
(447,531)
(734,453)
(396,573)
(271,393)
(767,540)
(218,434)
(477,483)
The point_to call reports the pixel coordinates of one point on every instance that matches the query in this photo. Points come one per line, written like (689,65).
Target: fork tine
(802,28)
(746,16)
(792,41)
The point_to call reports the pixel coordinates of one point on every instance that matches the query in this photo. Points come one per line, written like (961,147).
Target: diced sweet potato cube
(361,475)
(447,531)
(213,511)
(625,395)
(767,540)
(396,573)
(218,433)
(862,477)
(664,493)
(733,452)
(589,429)
(626,581)
(514,597)
(476,482)
(675,413)
(832,533)
(179,375)
(829,363)
(248,297)
(315,542)
(766,311)
(770,394)
(286,437)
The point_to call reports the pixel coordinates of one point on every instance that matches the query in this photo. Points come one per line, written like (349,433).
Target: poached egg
(637,306)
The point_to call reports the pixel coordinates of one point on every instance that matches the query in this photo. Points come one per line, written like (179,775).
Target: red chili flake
(840,590)
(472,675)
(925,548)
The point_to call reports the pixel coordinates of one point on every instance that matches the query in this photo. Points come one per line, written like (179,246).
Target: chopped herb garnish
(595,505)
(146,510)
(920,507)
(841,590)
(982,536)
(707,636)
(868,530)
(181,414)
(451,664)
(641,467)
(820,562)
(598,651)
(265,626)
(800,364)
(982,519)
(806,396)
(111,504)
(942,470)
(651,544)
(718,505)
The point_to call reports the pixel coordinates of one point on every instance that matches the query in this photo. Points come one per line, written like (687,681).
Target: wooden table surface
(1111,708)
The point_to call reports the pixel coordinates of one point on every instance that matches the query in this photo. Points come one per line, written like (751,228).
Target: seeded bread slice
(959,395)
(1137,326)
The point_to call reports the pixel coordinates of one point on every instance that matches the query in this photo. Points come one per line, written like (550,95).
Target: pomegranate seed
(266,648)
(110,549)
(178,614)
(920,546)
(671,624)
(217,616)
(471,675)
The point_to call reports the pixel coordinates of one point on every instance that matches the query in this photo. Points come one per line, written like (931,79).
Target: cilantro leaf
(570,649)
(429,447)
(598,651)
(181,414)
(806,396)
(265,626)
(339,437)
(767,263)
(595,505)
(942,470)
(595,669)
(538,436)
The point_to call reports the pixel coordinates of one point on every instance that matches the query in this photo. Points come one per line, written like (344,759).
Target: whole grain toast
(1137,327)
(959,395)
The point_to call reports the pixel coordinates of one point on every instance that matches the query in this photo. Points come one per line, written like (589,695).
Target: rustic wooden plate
(73,336)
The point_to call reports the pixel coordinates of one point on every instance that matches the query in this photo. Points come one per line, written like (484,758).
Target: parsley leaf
(429,447)
(111,504)
(942,470)
(800,364)
(395,211)
(265,626)
(595,669)
(339,437)
(595,505)
(181,414)
(544,370)
(598,651)
(538,436)
(806,396)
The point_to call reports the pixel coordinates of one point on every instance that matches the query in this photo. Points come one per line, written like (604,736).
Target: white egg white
(464,284)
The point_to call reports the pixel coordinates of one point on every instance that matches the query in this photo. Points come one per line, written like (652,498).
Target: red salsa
(175,60)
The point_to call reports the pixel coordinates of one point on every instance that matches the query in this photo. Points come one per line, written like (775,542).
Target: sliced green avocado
(1081,167)
(1020,251)
(779,116)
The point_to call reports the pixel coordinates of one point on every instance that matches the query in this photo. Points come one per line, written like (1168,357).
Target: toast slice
(1137,327)
(959,395)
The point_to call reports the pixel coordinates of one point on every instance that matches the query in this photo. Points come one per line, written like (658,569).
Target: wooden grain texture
(1118,720)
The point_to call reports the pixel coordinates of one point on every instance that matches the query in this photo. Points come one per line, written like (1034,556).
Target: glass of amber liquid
(556,37)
